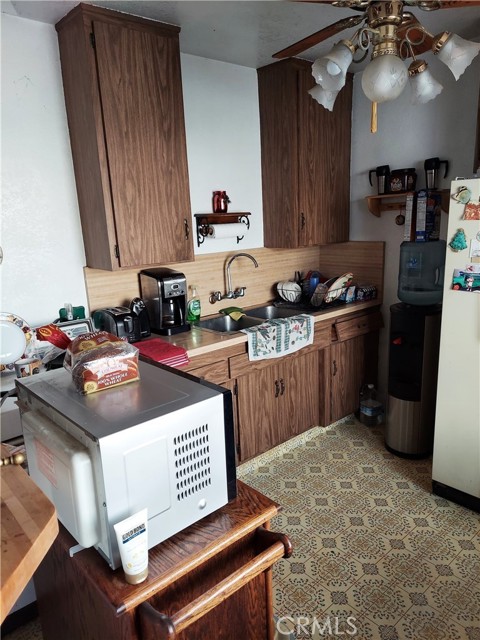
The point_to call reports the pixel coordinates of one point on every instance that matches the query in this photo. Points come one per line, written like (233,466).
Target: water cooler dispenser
(414,349)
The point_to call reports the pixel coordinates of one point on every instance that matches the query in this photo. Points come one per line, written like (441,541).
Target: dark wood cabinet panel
(211,580)
(305,158)
(123,92)
(276,403)
(351,363)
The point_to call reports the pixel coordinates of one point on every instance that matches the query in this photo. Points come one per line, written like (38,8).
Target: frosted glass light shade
(456,53)
(423,85)
(324,97)
(384,78)
(330,71)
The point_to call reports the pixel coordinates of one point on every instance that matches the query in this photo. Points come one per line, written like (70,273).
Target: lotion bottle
(193,306)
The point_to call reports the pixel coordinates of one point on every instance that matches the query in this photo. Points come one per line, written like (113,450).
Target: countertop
(202,341)
(29,527)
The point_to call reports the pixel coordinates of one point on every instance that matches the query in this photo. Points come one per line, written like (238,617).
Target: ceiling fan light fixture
(384,78)
(423,85)
(330,72)
(455,52)
(324,97)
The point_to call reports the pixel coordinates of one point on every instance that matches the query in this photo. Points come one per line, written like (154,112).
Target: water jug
(371,409)
(420,278)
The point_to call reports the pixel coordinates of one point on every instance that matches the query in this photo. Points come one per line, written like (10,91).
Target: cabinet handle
(155,625)
(187,228)
(302,221)
(277,389)
(282,386)
(335,367)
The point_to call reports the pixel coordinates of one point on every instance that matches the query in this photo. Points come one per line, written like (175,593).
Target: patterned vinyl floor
(376,555)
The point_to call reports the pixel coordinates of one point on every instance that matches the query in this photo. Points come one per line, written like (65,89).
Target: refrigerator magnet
(472,211)
(465,281)
(462,195)
(458,242)
(475,250)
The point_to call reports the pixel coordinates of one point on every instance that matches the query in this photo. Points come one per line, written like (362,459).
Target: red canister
(220,202)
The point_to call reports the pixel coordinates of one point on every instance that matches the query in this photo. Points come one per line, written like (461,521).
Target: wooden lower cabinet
(276,402)
(212,580)
(345,367)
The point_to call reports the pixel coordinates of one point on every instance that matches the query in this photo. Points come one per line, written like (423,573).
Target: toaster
(120,321)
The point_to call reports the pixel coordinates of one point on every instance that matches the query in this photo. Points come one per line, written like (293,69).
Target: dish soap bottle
(193,306)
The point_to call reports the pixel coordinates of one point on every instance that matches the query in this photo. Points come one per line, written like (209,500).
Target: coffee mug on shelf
(382,173)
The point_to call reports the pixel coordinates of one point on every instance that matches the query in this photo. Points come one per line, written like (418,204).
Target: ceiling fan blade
(319,36)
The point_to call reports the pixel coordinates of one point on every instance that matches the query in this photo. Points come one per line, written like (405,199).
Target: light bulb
(324,97)
(384,78)
(455,52)
(423,85)
(330,72)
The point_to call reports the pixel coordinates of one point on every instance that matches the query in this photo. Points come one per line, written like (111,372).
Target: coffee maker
(164,292)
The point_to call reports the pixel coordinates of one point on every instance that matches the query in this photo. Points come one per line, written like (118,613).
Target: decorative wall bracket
(206,223)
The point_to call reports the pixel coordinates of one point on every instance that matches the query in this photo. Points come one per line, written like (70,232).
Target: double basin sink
(253,317)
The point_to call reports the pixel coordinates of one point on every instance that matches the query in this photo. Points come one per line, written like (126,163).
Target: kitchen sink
(269,312)
(226,324)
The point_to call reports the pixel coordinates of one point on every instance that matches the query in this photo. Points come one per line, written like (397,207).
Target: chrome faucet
(216,296)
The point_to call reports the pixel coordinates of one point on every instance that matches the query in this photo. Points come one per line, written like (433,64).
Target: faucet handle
(239,292)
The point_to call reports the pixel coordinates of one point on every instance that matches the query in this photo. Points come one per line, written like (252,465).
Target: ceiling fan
(393,34)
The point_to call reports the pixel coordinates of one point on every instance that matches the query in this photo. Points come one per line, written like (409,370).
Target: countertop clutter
(198,342)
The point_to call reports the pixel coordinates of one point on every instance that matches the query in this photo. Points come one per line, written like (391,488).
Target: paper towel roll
(236,229)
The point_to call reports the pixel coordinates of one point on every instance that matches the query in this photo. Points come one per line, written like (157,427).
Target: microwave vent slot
(192,462)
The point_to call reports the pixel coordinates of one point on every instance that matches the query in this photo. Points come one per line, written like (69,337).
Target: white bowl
(289,291)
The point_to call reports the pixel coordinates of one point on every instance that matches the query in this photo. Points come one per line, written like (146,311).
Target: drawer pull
(157,626)
(277,389)
(282,386)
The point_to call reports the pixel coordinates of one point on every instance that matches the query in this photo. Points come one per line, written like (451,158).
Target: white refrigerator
(456,454)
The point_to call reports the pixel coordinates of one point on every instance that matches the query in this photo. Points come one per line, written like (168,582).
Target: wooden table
(29,527)
(212,580)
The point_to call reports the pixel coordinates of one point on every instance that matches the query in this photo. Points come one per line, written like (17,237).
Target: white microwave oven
(164,442)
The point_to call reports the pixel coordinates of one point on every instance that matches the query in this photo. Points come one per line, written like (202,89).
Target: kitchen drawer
(323,334)
(347,329)
(216,372)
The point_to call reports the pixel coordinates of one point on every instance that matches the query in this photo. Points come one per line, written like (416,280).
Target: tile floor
(376,555)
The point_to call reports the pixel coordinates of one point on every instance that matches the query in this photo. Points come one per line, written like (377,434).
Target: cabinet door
(277,95)
(352,363)
(141,93)
(277,403)
(305,158)
(260,425)
(323,164)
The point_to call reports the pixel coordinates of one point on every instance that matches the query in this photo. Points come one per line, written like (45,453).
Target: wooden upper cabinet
(305,158)
(123,93)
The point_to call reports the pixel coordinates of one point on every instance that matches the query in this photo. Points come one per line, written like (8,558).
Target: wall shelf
(205,220)
(396,202)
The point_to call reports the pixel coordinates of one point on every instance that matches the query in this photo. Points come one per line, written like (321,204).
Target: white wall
(407,135)
(223,143)
(41,240)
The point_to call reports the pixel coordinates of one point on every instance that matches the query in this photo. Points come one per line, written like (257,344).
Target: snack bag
(100,360)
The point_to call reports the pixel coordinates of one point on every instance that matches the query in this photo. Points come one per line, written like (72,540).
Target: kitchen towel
(162,351)
(277,338)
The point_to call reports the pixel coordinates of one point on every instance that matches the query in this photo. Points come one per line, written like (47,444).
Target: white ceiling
(246,32)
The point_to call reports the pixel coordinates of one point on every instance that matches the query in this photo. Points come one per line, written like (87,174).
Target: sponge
(234,312)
